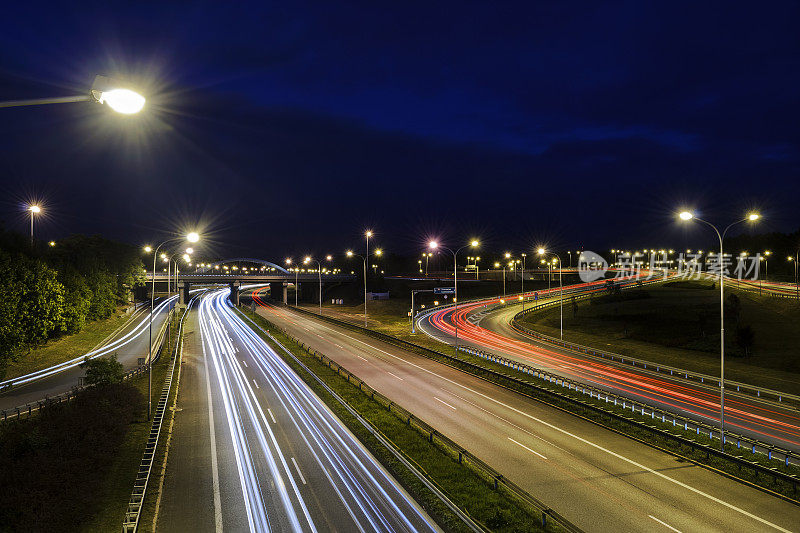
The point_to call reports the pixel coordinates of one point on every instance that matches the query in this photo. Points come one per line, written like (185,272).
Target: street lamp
(191,237)
(34,210)
(104,91)
(473,244)
(319,273)
(289,262)
(363,258)
(795,260)
(543,252)
(752,217)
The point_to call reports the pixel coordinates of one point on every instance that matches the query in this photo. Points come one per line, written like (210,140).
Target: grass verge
(66,348)
(486,505)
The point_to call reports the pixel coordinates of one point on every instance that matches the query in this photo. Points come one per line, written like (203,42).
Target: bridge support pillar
(183,289)
(234,297)
(278,291)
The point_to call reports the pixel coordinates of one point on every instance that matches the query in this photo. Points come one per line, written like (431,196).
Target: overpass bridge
(278,280)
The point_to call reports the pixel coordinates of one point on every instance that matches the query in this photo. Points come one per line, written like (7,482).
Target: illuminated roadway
(129,343)
(483,325)
(253,448)
(597,479)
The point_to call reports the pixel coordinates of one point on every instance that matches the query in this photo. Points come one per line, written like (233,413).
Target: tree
(745,338)
(102,371)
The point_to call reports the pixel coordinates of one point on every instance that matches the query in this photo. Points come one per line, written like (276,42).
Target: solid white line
(532,451)
(256,383)
(213,436)
(444,402)
(271,415)
(664,524)
(299,473)
(395,375)
(581,439)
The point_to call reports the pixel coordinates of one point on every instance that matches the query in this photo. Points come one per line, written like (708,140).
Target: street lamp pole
(191,237)
(523,282)
(473,244)
(686,215)
(34,210)
(544,252)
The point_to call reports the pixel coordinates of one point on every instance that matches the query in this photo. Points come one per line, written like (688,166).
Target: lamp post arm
(44,101)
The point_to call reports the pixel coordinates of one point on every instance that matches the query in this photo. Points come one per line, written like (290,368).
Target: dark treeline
(48,291)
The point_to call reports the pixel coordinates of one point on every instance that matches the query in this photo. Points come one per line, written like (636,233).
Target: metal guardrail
(450,447)
(763,393)
(131,521)
(646,411)
(15,413)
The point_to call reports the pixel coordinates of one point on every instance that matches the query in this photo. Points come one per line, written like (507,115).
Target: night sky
(290,128)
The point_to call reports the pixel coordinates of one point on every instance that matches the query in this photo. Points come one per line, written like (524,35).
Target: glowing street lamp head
(186,258)
(508,255)
(122,101)
(540,251)
(349,253)
(35,209)
(329,257)
(307,260)
(190,251)
(52,243)
(753,217)
(474,243)
(368,233)
(378,252)
(686,215)
(288,260)
(193,237)
(497,265)
(433,245)
(148,249)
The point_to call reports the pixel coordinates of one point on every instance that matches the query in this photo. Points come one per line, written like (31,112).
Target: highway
(597,479)
(253,448)
(487,326)
(129,344)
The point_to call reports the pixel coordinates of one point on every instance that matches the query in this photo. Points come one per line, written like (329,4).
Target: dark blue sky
(291,127)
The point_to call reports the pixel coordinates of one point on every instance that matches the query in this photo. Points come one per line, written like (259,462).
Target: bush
(102,371)
(53,465)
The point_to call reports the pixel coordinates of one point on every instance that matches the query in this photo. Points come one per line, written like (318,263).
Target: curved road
(486,325)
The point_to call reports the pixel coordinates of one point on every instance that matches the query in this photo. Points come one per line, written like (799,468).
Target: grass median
(491,507)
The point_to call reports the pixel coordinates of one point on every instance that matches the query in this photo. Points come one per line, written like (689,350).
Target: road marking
(271,415)
(395,375)
(444,402)
(578,438)
(214,464)
(362,358)
(244,362)
(664,524)
(532,451)
(299,473)
(256,384)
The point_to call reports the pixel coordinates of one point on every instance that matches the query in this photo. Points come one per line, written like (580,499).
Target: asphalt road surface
(486,326)
(254,449)
(597,479)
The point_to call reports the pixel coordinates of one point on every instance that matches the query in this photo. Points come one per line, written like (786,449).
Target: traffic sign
(444,290)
